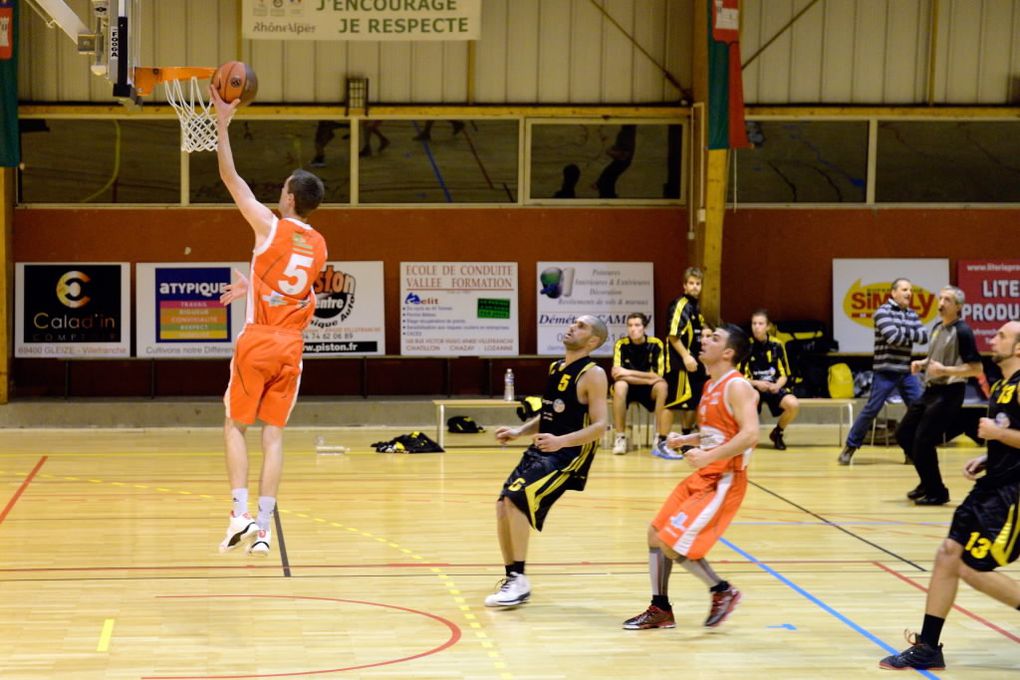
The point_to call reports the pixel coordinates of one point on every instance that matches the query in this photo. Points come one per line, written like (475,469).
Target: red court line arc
(21,489)
(455,635)
(965,612)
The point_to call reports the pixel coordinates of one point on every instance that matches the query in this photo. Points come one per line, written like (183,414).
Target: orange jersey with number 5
(283,269)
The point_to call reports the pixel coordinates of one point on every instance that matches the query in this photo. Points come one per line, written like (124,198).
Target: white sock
(240,501)
(266,506)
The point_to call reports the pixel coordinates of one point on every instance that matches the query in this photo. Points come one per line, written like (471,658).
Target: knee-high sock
(659,568)
(702,570)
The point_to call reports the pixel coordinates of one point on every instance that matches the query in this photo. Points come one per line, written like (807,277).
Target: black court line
(283,544)
(836,526)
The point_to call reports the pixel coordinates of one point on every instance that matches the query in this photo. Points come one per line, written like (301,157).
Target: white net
(198,117)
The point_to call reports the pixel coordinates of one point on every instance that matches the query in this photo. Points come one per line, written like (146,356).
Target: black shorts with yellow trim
(987,525)
(641,394)
(774,401)
(540,479)
(683,389)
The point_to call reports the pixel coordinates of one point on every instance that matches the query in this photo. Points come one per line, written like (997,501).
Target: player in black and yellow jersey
(768,369)
(638,366)
(565,435)
(685,375)
(985,532)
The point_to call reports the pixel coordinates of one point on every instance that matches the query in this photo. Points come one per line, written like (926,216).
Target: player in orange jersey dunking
(700,508)
(265,372)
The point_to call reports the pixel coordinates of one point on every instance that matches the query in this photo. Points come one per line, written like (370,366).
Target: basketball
(235,80)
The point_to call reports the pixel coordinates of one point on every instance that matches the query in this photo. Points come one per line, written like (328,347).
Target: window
(265,153)
(100,161)
(803,162)
(438,161)
(605,161)
(948,162)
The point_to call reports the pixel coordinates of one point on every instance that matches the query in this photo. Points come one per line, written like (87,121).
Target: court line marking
(105,635)
(435,168)
(817,602)
(846,531)
(21,489)
(281,544)
(965,612)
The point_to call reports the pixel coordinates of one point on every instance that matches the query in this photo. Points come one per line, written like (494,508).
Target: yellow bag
(841,382)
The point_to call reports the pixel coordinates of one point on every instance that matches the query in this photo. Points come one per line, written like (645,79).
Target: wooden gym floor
(109,567)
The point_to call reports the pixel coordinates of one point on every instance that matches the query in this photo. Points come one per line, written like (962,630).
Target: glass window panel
(438,161)
(948,162)
(265,153)
(100,161)
(803,162)
(606,160)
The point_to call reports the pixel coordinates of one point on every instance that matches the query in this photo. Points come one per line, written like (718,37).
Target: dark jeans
(922,430)
(882,386)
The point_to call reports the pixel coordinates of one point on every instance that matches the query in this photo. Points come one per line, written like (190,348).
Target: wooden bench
(846,411)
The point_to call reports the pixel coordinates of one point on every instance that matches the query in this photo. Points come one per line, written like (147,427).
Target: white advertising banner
(349,311)
(362,19)
(859,287)
(178,310)
(608,290)
(458,308)
(73,309)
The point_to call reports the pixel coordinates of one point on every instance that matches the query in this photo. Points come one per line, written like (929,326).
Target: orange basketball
(235,80)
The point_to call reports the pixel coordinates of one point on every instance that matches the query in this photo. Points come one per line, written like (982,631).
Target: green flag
(10,148)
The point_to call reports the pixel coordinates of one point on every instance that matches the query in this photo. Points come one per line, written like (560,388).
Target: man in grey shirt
(897,328)
(952,358)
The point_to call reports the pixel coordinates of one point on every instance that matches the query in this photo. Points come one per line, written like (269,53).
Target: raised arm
(258,216)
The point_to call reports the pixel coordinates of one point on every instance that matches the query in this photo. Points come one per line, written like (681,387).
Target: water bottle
(508,386)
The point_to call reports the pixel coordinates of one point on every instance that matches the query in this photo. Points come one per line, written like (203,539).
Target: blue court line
(435,167)
(814,600)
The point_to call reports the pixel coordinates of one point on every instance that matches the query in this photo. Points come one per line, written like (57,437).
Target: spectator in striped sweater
(897,329)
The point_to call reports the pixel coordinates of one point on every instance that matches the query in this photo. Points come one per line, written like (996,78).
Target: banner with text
(859,287)
(362,19)
(79,309)
(178,310)
(992,290)
(608,290)
(458,308)
(349,311)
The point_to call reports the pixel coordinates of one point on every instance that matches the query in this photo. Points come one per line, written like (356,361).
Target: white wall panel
(428,71)
(997,25)
(398,71)
(649,18)
(491,54)
(554,51)
(618,52)
(837,50)
(455,70)
(961,51)
(522,24)
(869,50)
(807,38)
(906,65)
(586,35)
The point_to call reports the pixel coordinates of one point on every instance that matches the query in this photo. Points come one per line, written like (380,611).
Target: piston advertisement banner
(608,290)
(861,286)
(79,309)
(362,19)
(992,291)
(458,308)
(349,312)
(178,310)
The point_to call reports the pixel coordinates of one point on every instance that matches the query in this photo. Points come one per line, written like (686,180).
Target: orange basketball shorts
(265,374)
(698,511)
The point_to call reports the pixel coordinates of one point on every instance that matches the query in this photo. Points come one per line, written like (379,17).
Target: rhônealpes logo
(861,301)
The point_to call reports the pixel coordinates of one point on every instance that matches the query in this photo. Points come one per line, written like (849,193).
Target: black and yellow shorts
(987,526)
(773,400)
(683,389)
(540,479)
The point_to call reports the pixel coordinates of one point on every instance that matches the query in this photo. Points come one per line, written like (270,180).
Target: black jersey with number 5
(562,411)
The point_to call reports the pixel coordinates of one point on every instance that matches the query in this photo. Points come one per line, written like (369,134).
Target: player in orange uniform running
(701,507)
(265,372)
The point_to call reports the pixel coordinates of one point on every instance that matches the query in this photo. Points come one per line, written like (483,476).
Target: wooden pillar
(7,198)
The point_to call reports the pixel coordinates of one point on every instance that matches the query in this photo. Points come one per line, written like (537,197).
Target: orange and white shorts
(265,374)
(698,511)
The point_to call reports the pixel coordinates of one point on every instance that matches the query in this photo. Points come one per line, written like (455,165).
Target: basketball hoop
(184,93)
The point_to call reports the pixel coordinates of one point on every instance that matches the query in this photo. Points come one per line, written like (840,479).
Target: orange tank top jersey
(282,272)
(717,424)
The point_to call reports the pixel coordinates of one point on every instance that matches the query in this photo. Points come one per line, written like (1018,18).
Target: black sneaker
(933,499)
(847,455)
(919,656)
(916,492)
(776,435)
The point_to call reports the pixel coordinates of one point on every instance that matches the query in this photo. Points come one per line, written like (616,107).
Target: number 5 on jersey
(297,271)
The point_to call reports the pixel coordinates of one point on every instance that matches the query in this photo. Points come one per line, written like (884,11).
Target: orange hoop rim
(147,77)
